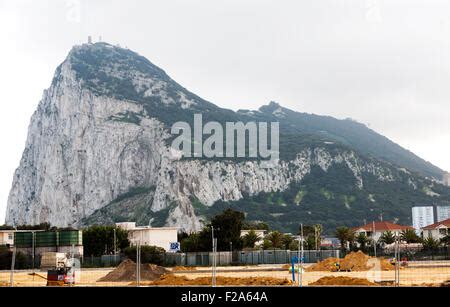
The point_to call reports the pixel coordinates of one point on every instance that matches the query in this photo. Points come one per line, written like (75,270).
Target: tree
(149,254)
(345,235)
(409,236)
(99,240)
(312,236)
(191,243)
(228,226)
(387,237)
(318,235)
(310,243)
(362,241)
(250,239)
(294,245)
(227,230)
(276,239)
(287,241)
(267,244)
(445,240)
(430,244)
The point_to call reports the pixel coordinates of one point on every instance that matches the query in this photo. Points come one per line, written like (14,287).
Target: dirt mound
(386,265)
(355,261)
(126,271)
(183,268)
(328,265)
(342,281)
(172,280)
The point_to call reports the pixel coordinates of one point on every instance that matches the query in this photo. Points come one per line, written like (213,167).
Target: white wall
(161,237)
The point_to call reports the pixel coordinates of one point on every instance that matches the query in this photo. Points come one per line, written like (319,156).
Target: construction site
(355,269)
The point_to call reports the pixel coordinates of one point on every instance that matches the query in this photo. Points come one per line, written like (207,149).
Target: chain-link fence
(402,267)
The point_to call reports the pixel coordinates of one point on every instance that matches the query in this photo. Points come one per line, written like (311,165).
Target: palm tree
(362,240)
(387,237)
(430,244)
(250,239)
(318,235)
(445,240)
(345,234)
(276,239)
(410,236)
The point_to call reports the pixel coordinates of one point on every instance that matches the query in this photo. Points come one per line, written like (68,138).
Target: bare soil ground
(432,273)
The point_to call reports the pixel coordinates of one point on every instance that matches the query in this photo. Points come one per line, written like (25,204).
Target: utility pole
(33,236)
(13,262)
(115,250)
(397,261)
(213,271)
(300,269)
(138,264)
(373,239)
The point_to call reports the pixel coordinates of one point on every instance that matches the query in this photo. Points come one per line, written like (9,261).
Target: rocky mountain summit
(98,151)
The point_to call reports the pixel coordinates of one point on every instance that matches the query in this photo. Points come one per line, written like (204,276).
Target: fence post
(13,261)
(138,264)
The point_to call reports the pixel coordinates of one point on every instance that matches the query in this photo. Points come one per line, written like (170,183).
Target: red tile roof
(435,225)
(382,226)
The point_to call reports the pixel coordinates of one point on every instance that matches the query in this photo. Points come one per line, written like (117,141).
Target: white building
(375,230)
(422,216)
(437,230)
(442,213)
(6,237)
(146,235)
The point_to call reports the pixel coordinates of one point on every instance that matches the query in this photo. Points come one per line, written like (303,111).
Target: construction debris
(173,280)
(126,271)
(342,281)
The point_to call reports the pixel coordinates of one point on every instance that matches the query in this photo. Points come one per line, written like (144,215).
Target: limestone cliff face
(88,148)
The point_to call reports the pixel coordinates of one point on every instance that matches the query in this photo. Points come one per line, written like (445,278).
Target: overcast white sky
(383,63)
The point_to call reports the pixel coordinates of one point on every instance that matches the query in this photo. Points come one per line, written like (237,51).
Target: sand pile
(386,265)
(327,265)
(172,280)
(126,271)
(355,261)
(342,281)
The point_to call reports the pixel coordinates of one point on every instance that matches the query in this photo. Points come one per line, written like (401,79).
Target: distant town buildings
(422,216)
(437,230)
(446,179)
(375,230)
(442,213)
(154,236)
